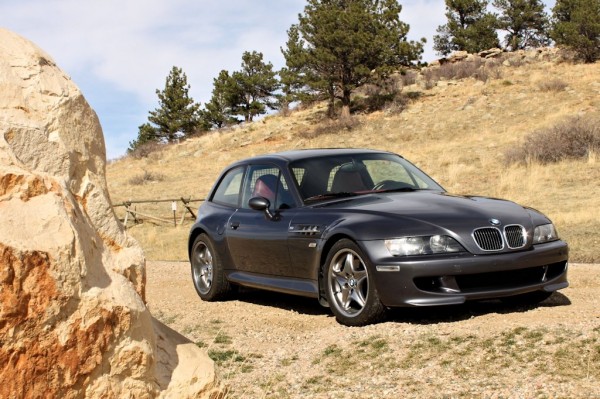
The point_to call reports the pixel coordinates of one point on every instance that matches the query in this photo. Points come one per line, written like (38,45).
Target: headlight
(425,245)
(545,233)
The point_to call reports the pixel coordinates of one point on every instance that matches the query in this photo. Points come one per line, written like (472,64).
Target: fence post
(189,209)
(126,216)
(132,213)
(128,212)
(174,209)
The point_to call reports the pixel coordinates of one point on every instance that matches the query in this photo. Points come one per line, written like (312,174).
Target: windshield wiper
(330,195)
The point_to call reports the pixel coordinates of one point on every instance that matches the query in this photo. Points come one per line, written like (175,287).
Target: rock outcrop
(508,58)
(73,321)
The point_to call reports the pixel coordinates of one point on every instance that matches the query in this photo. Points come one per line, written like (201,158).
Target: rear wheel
(208,275)
(350,288)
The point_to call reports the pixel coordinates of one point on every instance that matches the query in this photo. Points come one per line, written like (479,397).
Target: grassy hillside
(456,130)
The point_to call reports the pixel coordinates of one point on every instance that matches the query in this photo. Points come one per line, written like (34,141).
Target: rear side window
(228,191)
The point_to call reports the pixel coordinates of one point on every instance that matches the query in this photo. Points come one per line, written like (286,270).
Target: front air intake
(492,239)
(516,236)
(488,239)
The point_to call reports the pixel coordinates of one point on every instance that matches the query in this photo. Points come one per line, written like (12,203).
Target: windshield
(346,175)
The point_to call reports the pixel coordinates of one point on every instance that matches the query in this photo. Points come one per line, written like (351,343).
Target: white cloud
(120,51)
(131,45)
(424,16)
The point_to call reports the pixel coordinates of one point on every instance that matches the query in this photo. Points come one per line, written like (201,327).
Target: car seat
(348,179)
(266,187)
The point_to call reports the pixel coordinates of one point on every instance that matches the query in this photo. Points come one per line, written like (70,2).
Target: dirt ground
(269,345)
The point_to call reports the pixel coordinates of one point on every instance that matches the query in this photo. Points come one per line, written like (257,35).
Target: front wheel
(208,275)
(350,288)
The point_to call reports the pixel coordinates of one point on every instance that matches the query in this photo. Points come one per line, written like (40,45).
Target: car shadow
(299,304)
(412,315)
(469,310)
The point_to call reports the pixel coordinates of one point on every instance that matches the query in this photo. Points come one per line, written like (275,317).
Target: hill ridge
(455,130)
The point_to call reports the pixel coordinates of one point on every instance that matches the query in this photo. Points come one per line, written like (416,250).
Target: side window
(284,197)
(299,175)
(228,191)
(331,176)
(267,181)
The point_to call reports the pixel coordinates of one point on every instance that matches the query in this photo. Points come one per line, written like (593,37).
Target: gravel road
(269,345)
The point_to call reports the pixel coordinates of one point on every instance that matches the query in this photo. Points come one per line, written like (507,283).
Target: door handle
(234,225)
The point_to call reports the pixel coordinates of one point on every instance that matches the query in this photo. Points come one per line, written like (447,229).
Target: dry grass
(573,138)
(552,85)
(457,132)
(162,241)
(146,177)
(268,345)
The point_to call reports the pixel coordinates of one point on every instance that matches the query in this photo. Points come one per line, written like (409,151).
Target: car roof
(294,155)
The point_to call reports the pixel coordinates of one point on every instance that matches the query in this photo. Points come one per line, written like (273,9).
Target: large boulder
(73,319)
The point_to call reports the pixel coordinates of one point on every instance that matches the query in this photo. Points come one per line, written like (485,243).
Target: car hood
(380,215)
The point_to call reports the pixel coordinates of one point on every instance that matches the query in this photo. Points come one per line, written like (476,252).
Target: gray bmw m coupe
(363,231)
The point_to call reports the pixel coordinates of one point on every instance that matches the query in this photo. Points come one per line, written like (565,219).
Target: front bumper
(450,279)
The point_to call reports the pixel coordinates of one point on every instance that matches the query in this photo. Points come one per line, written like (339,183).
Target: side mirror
(261,204)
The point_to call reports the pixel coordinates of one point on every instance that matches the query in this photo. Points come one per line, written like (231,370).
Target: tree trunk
(345,112)
(345,106)
(331,107)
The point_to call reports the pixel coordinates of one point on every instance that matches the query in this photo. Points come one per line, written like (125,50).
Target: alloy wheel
(202,267)
(348,282)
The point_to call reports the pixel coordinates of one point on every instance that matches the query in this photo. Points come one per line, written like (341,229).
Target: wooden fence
(135,216)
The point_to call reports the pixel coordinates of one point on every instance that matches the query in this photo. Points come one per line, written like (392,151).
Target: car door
(257,240)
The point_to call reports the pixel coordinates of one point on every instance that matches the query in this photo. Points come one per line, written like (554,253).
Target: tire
(349,286)
(208,275)
(530,298)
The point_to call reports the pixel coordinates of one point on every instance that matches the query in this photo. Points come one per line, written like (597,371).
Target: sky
(119,52)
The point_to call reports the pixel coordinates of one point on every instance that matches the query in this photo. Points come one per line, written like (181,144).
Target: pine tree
(470,28)
(525,22)
(339,45)
(177,115)
(576,25)
(255,85)
(292,76)
(217,112)
(247,93)
(146,134)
